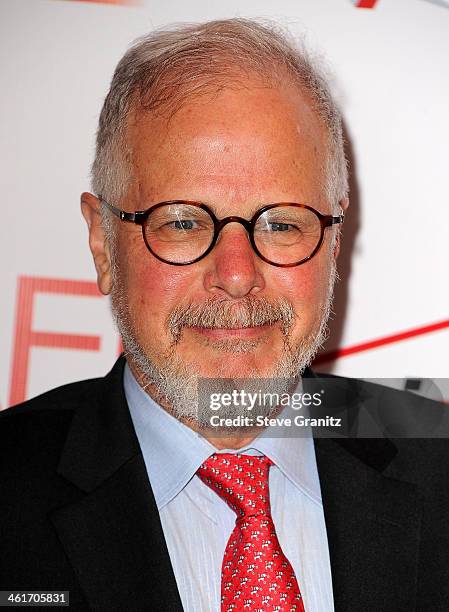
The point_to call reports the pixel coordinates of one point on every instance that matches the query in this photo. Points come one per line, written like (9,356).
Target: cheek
(153,288)
(306,286)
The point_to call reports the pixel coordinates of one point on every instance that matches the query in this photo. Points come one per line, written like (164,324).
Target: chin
(232,365)
(230,358)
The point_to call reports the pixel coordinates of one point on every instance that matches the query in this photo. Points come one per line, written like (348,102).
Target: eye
(280,227)
(183,224)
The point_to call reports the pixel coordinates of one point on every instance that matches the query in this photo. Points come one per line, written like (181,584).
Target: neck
(226,438)
(221,437)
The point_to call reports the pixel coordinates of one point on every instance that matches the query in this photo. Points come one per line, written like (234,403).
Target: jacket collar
(101,438)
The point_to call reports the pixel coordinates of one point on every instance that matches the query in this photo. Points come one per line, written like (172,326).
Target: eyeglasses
(181,232)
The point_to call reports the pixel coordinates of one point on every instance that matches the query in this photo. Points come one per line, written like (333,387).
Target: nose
(234,270)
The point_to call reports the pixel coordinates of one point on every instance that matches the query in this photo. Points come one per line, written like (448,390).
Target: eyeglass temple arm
(121,214)
(334,220)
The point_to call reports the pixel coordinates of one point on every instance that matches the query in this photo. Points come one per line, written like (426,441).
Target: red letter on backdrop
(26,337)
(365,3)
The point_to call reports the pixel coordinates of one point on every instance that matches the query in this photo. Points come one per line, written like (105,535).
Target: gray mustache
(218,313)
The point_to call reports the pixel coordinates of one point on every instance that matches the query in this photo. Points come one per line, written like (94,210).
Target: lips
(227,332)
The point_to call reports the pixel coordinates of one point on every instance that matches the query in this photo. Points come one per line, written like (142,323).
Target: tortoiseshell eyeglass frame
(139,217)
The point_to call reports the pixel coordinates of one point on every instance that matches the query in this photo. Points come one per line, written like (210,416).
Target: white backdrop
(391,63)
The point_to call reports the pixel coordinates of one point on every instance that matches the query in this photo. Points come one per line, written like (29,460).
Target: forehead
(252,144)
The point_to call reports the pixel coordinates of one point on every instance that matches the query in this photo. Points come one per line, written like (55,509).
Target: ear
(90,207)
(344,207)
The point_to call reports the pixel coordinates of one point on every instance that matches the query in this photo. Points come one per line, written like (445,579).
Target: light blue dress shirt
(197,523)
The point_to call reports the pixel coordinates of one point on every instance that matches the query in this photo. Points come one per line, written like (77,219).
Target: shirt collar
(173,452)
(294,454)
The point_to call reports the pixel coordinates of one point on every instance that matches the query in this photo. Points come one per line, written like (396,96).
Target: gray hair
(167,67)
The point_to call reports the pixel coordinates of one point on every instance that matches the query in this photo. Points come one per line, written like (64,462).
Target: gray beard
(182,392)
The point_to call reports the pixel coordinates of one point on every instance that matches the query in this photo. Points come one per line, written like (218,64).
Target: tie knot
(241,480)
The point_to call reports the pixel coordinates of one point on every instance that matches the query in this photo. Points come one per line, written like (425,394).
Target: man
(227,140)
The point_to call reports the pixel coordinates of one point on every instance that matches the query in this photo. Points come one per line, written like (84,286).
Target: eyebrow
(251,211)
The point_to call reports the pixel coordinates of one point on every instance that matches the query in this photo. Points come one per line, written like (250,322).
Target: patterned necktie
(256,575)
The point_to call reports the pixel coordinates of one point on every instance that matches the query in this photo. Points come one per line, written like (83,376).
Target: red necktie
(256,575)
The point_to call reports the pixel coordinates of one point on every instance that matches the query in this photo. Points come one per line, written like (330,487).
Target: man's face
(236,152)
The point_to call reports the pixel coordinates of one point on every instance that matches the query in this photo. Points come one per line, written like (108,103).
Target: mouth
(221,333)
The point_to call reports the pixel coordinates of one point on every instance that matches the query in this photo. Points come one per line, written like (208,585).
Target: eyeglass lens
(180,233)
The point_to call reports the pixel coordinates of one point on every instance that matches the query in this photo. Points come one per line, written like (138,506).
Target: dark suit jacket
(77,512)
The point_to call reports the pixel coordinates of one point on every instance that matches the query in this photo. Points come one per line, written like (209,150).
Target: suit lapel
(373,526)
(112,535)
(372,521)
